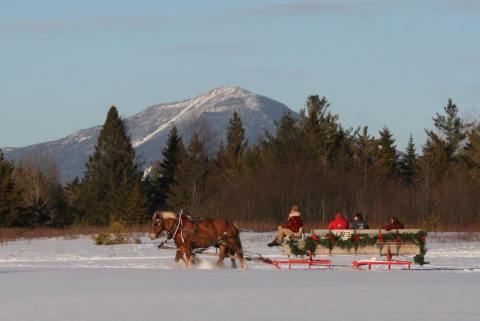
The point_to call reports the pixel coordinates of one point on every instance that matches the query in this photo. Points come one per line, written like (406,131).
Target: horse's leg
(178,256)
(234,263)
(243,262)
(188,256)
(235,245)
(231,255)
(194,258)
(182,254)
(221,255)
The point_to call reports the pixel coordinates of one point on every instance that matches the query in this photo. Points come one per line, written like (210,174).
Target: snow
(73,279)
(7,149)
(220,99)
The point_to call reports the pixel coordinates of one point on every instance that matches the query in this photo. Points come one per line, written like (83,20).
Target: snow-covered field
(73,279)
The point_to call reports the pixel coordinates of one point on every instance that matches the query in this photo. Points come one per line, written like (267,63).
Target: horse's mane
(167,215)
(170,215)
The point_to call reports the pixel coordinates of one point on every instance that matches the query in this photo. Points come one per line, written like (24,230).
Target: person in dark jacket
(293,225)
(393,225)
(358,222)
(338,223)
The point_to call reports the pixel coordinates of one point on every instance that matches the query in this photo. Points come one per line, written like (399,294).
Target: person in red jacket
(293,225)
(338,223)
(393,225)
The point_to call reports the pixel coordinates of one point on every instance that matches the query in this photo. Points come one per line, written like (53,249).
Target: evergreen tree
(221,159)
(109,191)
(320,127)
(472,152)
(345,150)
(365,147)
(189,190)
(72,197)
(386,158)
(409,166)
(163,173)
(236,144)
(443,145)
(58,214)
(285,147)
(287,129)
(10,200)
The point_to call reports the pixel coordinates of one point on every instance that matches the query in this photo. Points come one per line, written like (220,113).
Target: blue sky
(379,62)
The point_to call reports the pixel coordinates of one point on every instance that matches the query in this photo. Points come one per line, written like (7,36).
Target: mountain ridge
(148,129)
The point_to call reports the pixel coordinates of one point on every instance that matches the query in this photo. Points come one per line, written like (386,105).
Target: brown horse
(191,234)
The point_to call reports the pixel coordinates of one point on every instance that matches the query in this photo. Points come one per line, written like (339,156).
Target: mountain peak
(226,90)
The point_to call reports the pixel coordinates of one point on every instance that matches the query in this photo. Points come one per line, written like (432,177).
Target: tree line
(311,160)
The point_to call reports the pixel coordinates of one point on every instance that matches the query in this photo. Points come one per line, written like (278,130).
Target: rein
(172,235)
(179,223)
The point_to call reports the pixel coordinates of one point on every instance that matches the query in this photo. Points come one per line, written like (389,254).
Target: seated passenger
(393,225)
(293,225)
(358,223)
(339,223)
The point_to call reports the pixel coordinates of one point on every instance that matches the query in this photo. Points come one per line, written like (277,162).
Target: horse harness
(196,227)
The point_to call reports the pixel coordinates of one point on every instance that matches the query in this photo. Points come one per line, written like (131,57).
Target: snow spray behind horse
(191,234)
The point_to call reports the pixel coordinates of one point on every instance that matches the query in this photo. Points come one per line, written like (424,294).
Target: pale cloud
(317,7)
(359,8)
(302,7)
(204,47)
(83,24)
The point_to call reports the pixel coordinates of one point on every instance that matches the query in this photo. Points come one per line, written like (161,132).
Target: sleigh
(379,242)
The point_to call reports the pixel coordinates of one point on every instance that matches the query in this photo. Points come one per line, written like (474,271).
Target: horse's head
(159,223)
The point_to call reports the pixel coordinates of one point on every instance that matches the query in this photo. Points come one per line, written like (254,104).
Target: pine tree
(284,147)
(287,129)
(58,214)
(163,173)
(10,200)
(386,158)
(109,191)
(236,145)
(221,159)
(189,190)
(409,166)
(365,147)
(443,145)
(72,197)
(472,152)
(344,157)
(320,127)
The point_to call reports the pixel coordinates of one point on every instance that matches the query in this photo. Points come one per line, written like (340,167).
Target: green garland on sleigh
(358,241)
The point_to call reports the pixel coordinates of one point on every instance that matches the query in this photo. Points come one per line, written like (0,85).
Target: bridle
(171,234)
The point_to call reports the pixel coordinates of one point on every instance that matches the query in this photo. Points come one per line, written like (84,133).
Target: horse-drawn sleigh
(193,236)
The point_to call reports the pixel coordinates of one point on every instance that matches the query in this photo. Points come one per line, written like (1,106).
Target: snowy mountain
(148,130)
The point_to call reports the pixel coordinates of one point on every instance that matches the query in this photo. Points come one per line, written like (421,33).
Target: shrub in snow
(116,234)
